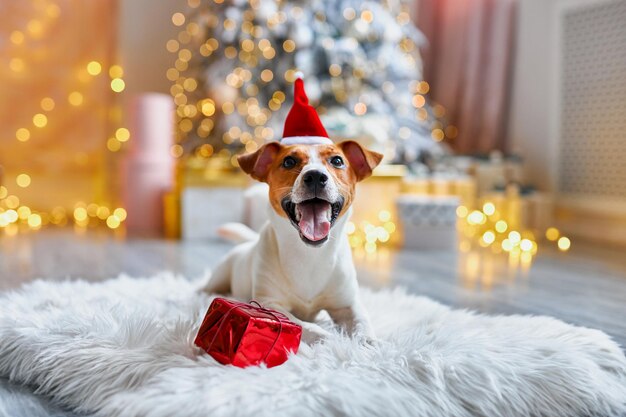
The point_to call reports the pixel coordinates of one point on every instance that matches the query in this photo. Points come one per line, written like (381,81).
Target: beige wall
(531,106)
(145,27)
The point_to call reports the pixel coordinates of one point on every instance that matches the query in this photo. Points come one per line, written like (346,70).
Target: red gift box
(243,334)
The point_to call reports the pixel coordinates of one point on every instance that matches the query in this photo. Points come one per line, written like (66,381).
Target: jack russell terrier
(300,262)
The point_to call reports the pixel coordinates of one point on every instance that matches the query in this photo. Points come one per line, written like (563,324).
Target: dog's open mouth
(313,218)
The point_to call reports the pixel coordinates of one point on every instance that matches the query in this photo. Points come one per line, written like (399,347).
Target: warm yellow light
(116,71)
(461,211)
(34,221)
(367,16)
(228,107)
(3,192)
(47,104)
(289,45)
(113,222)
(172,45)
(515,237)
(230,52)
(80,214)
(40,120)
(418,101)
(360,109)
(526,245)
(122,134)
(184,55)
(53,10)
(94,68)
(384,216)
(437,135)
(350,228)
(75,98)
(11,216)
(114,145)
(35,27)
(176,151)
(23,212)
(120,213)
(16,65)
(267,75)
(564,244)
(439,110)
(178,19)
(17,37)
(118,85)
(489,237)
(423,87)
(552,234)
(92,209)
(382,234)
(172,74)
(22,134)
(507,246)
(208,107)
(489,208)
(103,212)
(12,201)
(335,70)
(476,217)
(23,180)
(452,132)
(501,226)
(190,84)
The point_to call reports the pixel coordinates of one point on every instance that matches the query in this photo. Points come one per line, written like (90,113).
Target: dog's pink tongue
(314,221)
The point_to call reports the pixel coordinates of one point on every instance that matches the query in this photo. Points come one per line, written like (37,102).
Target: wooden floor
(586,286)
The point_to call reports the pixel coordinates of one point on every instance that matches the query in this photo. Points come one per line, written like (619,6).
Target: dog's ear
(362,160)
(257,164)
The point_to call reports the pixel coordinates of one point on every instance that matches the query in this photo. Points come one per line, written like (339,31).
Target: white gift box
(205,209)
(428,222)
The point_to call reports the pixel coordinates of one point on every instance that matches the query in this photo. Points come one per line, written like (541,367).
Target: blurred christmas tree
(236,62)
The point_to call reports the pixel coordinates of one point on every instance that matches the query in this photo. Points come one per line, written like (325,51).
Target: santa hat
(303,125)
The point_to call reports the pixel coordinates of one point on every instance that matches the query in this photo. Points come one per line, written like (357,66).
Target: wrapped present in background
(428,222)
(246,335)
(210,195)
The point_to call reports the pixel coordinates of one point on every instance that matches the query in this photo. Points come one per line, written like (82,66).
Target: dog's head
(311,186)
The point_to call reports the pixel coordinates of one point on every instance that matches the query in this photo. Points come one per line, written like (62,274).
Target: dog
(300,263)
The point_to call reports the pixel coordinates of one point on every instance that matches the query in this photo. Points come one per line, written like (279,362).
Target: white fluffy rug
(124,348)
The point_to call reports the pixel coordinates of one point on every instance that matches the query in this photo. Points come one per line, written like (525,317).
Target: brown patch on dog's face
(285,169)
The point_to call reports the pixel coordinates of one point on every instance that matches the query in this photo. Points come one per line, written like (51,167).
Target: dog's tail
(237,233)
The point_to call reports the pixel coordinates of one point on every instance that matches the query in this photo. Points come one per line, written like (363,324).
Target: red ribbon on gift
(243,334)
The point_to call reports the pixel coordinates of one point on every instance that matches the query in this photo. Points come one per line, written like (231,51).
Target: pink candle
(148,169)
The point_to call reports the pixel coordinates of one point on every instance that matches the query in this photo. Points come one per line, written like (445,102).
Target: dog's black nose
(314,179)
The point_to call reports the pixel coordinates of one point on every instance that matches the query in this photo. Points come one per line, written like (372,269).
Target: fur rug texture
(124,347)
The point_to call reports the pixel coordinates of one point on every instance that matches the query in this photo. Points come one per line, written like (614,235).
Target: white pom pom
(299,75)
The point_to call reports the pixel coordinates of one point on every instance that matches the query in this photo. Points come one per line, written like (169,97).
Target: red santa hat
(303,125)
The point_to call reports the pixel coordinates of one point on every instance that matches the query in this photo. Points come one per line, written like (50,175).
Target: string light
(564,243)
(118,85)
(22,134)
(23,180)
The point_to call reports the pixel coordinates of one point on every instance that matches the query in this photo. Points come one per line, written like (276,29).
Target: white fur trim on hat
(306,140)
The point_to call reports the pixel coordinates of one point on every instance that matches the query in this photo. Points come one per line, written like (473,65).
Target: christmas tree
(236,62)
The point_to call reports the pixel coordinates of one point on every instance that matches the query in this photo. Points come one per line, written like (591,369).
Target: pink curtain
(467,63)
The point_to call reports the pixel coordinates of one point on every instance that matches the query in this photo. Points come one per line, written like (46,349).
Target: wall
(145,27)
(533,80)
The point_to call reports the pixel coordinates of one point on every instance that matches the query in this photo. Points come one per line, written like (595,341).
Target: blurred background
(503,122)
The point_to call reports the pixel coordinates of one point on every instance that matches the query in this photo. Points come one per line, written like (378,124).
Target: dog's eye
(336,161)
(289,162)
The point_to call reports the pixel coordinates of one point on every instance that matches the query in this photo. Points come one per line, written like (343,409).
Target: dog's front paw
(313,333)
(365,335)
